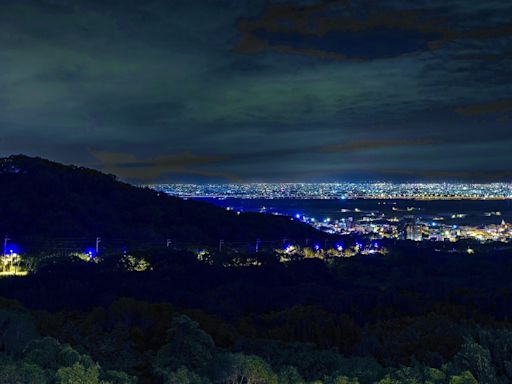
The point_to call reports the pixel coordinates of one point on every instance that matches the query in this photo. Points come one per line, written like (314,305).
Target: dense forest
(408,317)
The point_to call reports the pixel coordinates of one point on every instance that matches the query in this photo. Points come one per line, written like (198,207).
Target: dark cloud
(338,31)
(494,107)
(377,144)
(129,167)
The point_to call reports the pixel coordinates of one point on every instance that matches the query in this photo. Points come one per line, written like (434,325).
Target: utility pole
(6,240)
(325,244)
(221,243)
(98,241)
(257,245)
(307,242)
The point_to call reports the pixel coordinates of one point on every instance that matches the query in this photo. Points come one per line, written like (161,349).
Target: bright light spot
(91,253)
(289,249)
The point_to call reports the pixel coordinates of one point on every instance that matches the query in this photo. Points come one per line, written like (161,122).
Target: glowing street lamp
(90,252)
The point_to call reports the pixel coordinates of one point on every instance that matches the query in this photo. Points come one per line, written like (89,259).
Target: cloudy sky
(233,90)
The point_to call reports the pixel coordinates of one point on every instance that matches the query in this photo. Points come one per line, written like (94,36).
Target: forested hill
(44,199)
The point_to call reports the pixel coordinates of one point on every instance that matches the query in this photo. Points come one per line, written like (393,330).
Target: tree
(183,376)
(224,368)
(188,346)
(343,380)
(465,378)
(78,374)
(22,374)
(48,353)
(476,359)
(117,377)
(290,375)
(254,370)
(366,369)
(17,328)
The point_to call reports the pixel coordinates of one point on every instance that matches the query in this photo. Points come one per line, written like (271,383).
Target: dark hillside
(44,199)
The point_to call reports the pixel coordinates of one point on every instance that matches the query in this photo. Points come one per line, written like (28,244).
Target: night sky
(232,90)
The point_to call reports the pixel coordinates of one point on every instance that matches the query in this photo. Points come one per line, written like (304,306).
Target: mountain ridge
(43,198)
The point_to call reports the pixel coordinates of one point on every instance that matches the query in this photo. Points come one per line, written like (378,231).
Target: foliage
(188,346)
(17,328)
(78,374)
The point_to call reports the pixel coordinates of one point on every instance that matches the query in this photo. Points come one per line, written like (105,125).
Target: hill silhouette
(44,199)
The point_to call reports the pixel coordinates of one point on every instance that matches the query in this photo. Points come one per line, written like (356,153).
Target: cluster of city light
(11,264)
(290,252)
(318,251)
(410,228)
(366,190)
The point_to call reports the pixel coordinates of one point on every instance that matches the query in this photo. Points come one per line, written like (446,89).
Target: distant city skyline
(256,90)
(418,212)
(368,190)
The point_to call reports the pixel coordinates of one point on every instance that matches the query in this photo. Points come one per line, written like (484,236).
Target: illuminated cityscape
(369,190)
(413,229)
(384,219)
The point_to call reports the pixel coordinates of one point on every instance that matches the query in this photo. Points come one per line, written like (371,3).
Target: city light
(374,224)
(342,191)
(289,248)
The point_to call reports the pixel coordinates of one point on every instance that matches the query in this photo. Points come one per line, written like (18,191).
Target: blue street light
(13,249)
(90,252)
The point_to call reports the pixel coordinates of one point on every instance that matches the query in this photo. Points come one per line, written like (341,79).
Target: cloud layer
(258,90)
